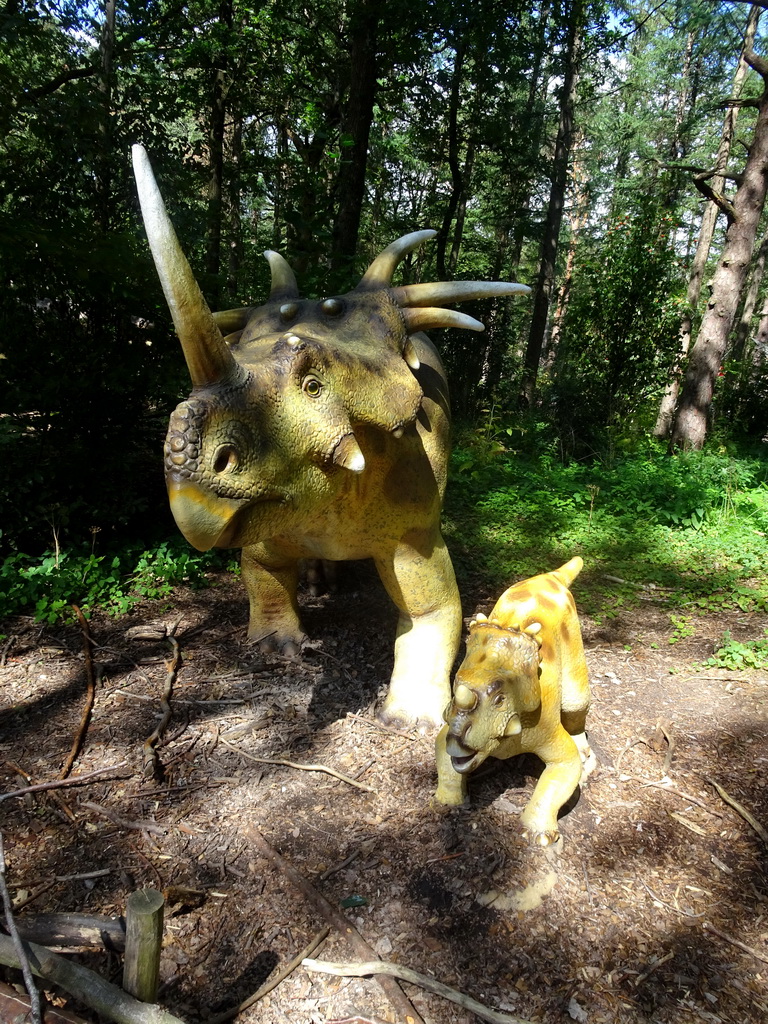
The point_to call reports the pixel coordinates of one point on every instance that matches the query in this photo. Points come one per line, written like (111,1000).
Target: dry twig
(152,766)
(651,968)
(402,1005)
(301,767)
(709,927)
(86,986)
(90,678)
(740,809)
(381,727)
(18,945)
(377,967)
(141,826)
(267,987)
(73,780)
(669,906)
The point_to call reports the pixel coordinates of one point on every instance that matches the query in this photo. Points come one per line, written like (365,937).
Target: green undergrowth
(737,655)
(691,529)
(49,585)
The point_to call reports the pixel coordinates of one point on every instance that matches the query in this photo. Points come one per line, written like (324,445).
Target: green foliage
(684,628)
(691,527)
(620,333)
(738,656)
(46,587)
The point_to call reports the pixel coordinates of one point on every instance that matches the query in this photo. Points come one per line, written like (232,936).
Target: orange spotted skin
(522,688)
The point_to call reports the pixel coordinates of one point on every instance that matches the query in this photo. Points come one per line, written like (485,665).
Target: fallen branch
(377,967)
(152,766)
(90,677)
(268,986)
(17,944)
(301,767)
(73,780)
(86,986)
(670,788)
(709,927)
(403,1007)
(57,797)
(740,809)
(73,930)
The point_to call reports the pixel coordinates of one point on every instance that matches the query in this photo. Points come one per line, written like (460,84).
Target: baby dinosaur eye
(312,386)
(498,700)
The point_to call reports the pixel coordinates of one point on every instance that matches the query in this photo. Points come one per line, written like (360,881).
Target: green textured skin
(522,690)
(260,461)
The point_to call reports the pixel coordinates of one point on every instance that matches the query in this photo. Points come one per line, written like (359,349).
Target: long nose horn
(208,357)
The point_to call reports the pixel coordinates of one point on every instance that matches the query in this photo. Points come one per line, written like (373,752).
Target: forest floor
(654,906)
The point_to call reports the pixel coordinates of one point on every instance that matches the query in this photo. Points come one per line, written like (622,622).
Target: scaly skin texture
(318,429)
(522,687)
(263,478)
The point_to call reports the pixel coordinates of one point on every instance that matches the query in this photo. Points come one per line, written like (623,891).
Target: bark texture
(707,355)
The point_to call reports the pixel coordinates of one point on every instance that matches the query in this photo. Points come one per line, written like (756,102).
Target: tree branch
(32,95)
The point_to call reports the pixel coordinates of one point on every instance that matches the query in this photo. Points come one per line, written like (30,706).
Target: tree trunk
(235,249)
(709,350)
(104,157)
(356,130)
(549,247)
(750,301)
(219,88)
(666,414)
(579,217)
(457,178)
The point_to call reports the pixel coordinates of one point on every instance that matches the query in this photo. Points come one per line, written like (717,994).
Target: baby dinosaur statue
(318,429)
(522,687)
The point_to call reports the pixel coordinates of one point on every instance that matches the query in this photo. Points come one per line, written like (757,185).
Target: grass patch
(694,525)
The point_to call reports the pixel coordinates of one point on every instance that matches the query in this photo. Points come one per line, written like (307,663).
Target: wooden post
(143,939)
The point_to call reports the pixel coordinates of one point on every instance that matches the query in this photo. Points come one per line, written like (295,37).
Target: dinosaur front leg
(423,587)
(555,787)
(271,583)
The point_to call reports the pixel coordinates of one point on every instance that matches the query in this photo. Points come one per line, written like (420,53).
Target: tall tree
(743,214)
(356,128)
(715,183)
(550,241)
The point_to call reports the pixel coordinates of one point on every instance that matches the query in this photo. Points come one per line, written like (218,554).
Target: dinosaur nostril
(225,459)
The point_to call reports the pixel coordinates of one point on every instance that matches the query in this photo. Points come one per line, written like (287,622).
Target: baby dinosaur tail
(567,573)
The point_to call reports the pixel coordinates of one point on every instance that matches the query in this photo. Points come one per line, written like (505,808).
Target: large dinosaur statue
(319,429)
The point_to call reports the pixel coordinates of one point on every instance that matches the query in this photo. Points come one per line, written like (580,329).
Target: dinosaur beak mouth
(463,759)
(204,523)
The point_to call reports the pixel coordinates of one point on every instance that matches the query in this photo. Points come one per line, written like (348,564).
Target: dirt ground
(654,908)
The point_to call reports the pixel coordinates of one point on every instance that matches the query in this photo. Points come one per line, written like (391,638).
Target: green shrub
(46,587)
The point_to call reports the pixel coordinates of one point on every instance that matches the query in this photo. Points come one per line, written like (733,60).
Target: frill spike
(284,284)
(424,318)
(379,274)
(439,293)
(230,320)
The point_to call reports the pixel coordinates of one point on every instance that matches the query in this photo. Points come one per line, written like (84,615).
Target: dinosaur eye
(225,459)
(312,386)
(498,700)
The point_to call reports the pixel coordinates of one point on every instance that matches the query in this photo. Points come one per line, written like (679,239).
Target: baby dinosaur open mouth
(462,758)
